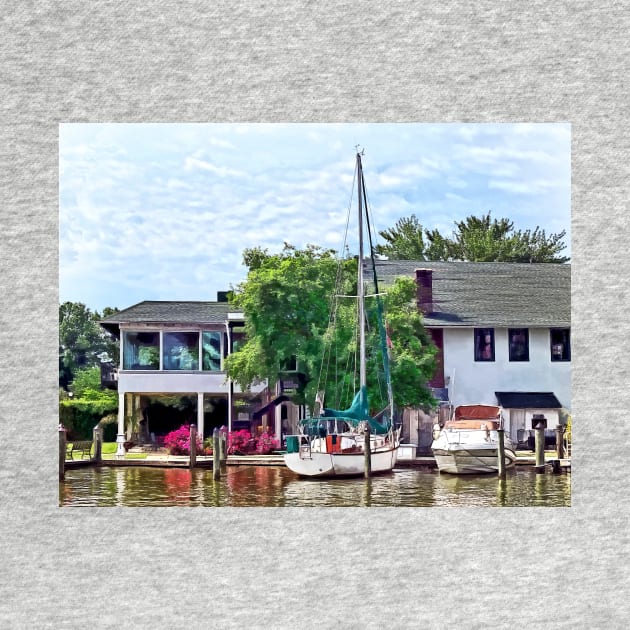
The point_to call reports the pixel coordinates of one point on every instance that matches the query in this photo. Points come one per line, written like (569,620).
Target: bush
(80,416)
(178,442)
(266,444)
(242,443)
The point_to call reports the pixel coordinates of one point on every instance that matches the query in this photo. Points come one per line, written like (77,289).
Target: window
(518,339)
(211,347)
(560,339)
(238,339)
(181,351)
(141,350)
(484,344)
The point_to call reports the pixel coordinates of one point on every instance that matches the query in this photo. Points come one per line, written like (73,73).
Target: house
(171,372)
(503,333)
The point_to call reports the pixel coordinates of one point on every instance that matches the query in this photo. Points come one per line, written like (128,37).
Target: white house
(503,332)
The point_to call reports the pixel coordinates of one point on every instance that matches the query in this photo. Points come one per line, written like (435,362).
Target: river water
(275,486)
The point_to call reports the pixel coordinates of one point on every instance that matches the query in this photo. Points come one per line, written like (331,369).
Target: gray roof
(491,294)
(150,312)
(528,400)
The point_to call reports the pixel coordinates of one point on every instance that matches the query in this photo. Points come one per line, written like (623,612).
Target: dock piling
(97,438)
(62,452)
(539,445)
(501,453)
(368,453)
(216,455)
(193,445)
(560,441)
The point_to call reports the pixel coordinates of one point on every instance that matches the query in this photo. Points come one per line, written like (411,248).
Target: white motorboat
(468,443)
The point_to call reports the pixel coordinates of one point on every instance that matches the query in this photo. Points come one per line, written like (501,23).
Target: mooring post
(97,438)
(62,452)
(193,445)
(539,445)
(501,453)
(223,448)
(560,441)
(368,453)
(216,455)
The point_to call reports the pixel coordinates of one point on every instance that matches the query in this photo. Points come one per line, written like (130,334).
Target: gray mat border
(432,62)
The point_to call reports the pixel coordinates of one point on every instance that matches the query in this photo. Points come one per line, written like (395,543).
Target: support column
(120,437)
(230,403)
(278,425)
(200,427)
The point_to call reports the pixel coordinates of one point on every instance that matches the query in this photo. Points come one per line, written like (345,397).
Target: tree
(287,300)
(476,239)
(82,342)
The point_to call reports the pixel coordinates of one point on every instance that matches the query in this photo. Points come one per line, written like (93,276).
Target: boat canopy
(356,413)
(476,412)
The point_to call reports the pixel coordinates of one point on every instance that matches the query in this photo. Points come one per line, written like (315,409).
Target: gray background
(325,61)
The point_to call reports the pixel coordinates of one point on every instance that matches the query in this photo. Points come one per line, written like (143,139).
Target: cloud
(192,163)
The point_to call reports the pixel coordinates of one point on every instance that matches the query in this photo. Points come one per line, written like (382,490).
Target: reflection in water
(275,486)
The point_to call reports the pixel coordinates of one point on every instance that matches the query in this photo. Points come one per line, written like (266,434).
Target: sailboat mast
(360,290)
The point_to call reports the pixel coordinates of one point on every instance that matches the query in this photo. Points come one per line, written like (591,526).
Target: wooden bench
(84,447)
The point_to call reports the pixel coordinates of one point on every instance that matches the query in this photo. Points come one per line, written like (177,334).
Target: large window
(484,344)
(141,350)
(211,343)
(560,344)
(181,351)
(518,339)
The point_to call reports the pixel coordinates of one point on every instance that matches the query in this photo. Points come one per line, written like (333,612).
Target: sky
(164,211)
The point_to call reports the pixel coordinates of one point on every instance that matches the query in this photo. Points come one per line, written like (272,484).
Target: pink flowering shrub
(243,443)
(240,443)
(266,443)
(178,442)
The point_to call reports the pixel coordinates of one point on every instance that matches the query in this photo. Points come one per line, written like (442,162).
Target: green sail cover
(357,412)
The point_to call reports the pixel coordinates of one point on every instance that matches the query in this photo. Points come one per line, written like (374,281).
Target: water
(275,486)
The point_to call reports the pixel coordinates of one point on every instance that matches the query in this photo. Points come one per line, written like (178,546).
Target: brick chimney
(424,290)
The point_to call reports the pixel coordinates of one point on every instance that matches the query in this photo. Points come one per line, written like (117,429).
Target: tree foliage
(82,340)
(287,300)
(475,239)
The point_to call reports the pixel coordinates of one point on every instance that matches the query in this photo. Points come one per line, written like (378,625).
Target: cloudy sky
(164,211)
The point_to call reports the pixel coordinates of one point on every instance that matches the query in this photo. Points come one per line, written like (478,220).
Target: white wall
(174,383)
(476,382)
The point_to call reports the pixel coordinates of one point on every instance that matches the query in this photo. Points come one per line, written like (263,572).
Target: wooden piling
(223,448)
(62,453)
(193,445)
(216,455)
(560,441)
(501,453)
(97,439)
(539,445)
(368,453)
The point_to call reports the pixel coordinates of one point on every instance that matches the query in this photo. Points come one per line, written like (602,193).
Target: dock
(163,460)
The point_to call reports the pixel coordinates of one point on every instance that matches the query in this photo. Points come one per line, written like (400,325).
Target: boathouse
(503,333)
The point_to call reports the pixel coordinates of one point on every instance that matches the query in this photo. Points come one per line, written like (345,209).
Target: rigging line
(338,283)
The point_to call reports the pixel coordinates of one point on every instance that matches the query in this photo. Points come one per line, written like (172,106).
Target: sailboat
(336,442)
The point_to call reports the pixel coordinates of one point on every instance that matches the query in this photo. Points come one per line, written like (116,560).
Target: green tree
(475,239)
(287,300)
(82,342)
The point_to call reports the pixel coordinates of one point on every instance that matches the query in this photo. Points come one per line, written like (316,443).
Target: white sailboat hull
(471,453)
(312,461)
